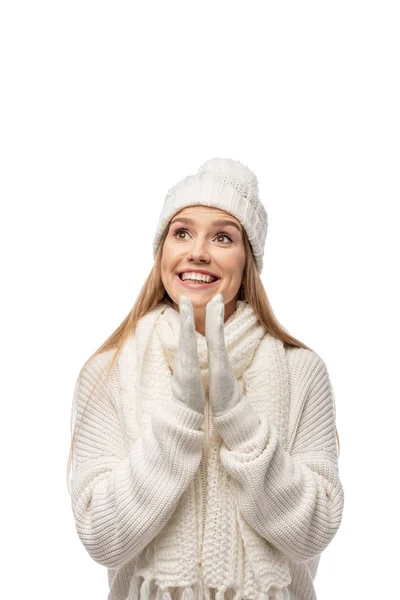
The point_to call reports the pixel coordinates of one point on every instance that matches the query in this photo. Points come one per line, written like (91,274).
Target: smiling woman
(204,458)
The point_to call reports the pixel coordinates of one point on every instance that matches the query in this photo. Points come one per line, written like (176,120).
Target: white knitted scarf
(233,559)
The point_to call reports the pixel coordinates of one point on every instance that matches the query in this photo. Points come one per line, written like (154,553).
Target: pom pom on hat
(226,184)
(228,166)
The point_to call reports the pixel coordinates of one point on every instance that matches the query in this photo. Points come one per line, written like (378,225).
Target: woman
(205,462)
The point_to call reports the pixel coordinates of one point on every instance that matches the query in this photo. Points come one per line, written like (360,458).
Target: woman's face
(207,245)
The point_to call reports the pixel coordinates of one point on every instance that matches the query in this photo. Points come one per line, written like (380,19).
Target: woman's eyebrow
(218,223)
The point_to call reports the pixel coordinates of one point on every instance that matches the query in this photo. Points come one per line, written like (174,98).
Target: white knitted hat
(226,184)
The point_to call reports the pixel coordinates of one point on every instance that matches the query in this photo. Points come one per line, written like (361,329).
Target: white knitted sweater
(132,475)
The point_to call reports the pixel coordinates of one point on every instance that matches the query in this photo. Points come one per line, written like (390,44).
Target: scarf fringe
(145,590)
(188,594)
(196,592)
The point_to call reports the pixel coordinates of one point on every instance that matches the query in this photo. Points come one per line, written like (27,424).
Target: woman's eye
(176,234)
(224,234)
(220,234)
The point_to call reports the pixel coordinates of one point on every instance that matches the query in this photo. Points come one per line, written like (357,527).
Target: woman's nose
(198,250)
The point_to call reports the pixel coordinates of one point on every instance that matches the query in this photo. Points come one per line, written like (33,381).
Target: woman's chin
(199,299)
(200,302)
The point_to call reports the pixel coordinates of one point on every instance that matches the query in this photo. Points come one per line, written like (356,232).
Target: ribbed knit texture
(134,466)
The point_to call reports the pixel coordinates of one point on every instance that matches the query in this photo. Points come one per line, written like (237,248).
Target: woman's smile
(200,285)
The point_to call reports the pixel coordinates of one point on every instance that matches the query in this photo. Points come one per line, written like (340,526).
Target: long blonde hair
(153,292)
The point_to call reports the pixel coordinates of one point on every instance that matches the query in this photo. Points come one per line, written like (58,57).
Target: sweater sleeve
(293,500)
(123,494)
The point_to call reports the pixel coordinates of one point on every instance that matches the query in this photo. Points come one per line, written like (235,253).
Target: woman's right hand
(187,385)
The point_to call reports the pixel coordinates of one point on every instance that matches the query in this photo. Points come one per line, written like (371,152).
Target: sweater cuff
(179,414)
(239,427)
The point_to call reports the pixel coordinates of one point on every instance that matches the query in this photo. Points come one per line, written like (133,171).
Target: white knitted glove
(187,385)
(224,389)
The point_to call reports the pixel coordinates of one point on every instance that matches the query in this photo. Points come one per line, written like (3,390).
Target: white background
(106,105)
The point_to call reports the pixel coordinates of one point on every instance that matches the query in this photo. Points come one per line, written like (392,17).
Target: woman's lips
(196,286)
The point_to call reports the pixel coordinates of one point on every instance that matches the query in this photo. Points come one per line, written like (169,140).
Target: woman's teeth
(196,281)
(198,278)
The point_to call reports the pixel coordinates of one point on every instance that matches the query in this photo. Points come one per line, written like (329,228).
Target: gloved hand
(187,385)
(224,388)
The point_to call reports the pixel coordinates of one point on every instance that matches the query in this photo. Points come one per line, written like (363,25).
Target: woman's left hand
(224,389)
